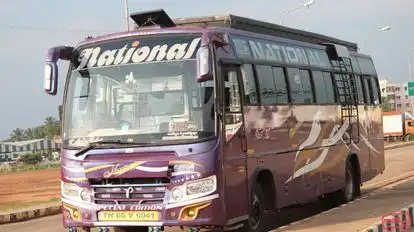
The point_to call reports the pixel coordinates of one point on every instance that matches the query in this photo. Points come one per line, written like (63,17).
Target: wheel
(256,221)
(131,229)
(351,189)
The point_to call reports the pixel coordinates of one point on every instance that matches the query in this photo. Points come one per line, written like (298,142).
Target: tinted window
(374,88)
(300,86)
(359,89)
(367,66)
(330,94)
(250,90)
(266,83)
(281,88)
(367,91)
(323,87)
(307,86)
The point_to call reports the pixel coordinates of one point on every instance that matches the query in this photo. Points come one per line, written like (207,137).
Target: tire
(351,190)
(256,221)
(131,229)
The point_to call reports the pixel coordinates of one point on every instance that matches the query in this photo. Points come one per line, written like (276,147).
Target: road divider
(42,211)
(28,214)
(399,221)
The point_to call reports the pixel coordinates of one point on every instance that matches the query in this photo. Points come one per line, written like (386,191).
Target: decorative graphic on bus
(138,51)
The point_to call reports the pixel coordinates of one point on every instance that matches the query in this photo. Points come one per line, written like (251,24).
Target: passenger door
(234,143)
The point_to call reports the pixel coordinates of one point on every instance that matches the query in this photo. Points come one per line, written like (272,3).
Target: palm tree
(17,135)
(51,127)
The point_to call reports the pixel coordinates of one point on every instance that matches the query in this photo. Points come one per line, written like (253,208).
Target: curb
(53,210)
(398,146)
(30,214)
(400,220)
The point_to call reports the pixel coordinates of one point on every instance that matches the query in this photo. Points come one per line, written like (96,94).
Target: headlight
(76,193)
(194,189)
(86,195)
(177,194)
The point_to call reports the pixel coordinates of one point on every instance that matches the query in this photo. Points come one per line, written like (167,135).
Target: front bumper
(199,212)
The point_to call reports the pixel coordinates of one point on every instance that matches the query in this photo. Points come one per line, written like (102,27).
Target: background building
(396,95)
(11,151)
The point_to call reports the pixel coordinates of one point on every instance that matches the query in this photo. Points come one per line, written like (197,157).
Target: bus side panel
(377,153)
(288,140)
(268,140)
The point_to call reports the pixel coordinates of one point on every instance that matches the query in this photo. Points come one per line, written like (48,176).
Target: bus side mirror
(204,68)
(51,69)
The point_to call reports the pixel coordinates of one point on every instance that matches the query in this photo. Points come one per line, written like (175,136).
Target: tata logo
(128,192)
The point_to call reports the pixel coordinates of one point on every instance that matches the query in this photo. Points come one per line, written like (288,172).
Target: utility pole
(126,14)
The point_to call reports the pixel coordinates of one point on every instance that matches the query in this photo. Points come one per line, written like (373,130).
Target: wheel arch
(353,159)
(265,178)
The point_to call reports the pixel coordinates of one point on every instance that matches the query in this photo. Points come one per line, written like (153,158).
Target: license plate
(128,216)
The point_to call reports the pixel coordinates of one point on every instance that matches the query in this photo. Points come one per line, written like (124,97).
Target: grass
(17,205)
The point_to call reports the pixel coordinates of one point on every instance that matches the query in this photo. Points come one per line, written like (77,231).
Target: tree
(385,105)
(48,130)
(51,127)
(17,135)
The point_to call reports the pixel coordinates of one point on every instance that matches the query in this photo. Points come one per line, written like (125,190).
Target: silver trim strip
(233,227)
(193,201)
(79,204)
(128,185)
(237,219)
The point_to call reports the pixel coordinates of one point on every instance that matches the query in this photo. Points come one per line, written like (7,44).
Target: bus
(211,123)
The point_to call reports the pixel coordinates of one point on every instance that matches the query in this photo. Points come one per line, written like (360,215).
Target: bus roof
(256,26)
(224,23)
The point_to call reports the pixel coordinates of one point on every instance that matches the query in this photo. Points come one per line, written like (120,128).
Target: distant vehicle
(211,122)
(397,126)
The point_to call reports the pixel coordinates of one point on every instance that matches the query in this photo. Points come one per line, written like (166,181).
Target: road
(354,216)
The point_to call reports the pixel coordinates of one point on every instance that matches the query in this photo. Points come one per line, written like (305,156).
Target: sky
(29,28)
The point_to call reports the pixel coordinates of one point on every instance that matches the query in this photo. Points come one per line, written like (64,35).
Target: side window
(323,87)
(306,86)
(281,87)
(295,85)
(250,90)
(300,86)
(367,91)
(266,83)
(233,116)
(330,94)
(375,90)
(360,89)
(231,90)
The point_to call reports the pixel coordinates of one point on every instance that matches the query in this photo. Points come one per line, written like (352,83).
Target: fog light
(87,215)
(190,212)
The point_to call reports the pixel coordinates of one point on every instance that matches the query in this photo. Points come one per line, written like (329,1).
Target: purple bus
(210,126)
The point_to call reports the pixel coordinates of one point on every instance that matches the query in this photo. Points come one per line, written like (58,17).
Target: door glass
(233,114)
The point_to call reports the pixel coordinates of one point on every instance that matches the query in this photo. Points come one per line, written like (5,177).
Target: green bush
(32,158)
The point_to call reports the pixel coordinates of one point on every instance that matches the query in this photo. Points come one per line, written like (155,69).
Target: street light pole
(411,79)
(126,14)
(306,4)
(386,28)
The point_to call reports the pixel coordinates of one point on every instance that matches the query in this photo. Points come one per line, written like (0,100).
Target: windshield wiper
(94,145)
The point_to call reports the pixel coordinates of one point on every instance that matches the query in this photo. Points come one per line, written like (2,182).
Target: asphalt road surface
(398,162)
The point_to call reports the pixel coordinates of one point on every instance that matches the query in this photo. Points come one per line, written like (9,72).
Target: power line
(29,28)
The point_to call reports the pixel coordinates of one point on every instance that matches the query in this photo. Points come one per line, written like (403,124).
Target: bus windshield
(149,103)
